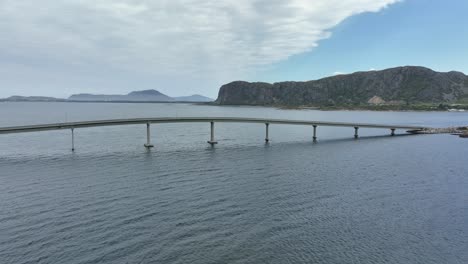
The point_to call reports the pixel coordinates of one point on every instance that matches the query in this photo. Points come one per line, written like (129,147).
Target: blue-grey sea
(378,199)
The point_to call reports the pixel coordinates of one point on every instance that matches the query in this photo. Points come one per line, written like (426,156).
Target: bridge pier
(212,139)
(211,120)
(148,144)
(356,135)
(73,138)
(315,134)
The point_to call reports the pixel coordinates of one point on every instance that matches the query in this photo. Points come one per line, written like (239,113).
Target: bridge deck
(133,121)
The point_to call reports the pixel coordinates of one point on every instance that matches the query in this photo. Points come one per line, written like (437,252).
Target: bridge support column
(267,139)
(148,144)
(393,132)
(315,134)
(212,139)
(73,138)
(356,135)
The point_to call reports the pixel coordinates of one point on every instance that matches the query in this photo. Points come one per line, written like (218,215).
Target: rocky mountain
(193,98)
(137,96)
(396,86)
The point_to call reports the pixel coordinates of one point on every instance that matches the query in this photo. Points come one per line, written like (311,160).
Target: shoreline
(461,108)
(374,108)
(110,102)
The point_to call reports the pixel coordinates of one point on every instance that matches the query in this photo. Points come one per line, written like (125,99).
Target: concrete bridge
(211,120)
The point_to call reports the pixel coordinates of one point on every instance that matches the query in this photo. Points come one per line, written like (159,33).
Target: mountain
(408,85)
(193,98)
(137,96)
(148,95)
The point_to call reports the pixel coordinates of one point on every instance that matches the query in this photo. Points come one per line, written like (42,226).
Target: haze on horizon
(58,48)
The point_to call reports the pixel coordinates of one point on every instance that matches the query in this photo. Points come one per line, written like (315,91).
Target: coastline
(377,108)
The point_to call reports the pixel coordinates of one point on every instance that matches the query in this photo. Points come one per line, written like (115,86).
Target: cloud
(193,38)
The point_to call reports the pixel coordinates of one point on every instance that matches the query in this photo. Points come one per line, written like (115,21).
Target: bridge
(211,120)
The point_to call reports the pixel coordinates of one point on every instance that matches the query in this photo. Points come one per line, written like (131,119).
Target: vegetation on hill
(401,88)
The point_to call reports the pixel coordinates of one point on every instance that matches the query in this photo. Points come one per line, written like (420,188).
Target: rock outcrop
(401,85)
(376,100)
(444,130)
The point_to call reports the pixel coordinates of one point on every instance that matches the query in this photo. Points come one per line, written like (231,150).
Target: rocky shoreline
(459,131)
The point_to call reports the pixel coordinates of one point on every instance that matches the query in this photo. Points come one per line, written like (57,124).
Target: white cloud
(194,38)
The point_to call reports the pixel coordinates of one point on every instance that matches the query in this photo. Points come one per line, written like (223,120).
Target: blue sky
(428,33)
(180,47)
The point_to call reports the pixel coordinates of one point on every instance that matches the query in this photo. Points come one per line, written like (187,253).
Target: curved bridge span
(211,120)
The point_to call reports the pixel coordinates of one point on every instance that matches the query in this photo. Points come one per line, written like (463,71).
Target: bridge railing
(211,120)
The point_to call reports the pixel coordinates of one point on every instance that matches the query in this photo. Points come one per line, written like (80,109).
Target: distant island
(400,88)
(17,98)
(135,96)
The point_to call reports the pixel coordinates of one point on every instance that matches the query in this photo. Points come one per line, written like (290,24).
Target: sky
(182,47)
